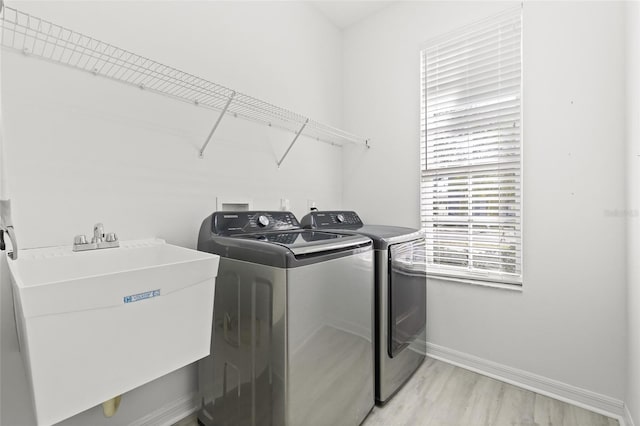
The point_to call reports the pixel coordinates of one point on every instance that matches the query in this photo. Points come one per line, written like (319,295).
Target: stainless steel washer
(292,336)
(400,298)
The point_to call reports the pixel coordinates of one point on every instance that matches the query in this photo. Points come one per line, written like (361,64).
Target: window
(471,152)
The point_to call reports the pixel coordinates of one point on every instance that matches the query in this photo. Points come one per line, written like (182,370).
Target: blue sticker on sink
(141,296)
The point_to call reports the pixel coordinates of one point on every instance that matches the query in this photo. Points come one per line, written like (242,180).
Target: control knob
(263,221)
(340,218)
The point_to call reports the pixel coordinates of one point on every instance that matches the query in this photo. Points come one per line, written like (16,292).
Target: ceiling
(346,13)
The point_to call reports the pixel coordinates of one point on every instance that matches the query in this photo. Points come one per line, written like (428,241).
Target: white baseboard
(170,413)
(587,399)
(627,417)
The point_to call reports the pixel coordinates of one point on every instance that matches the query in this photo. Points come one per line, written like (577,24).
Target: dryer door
(407,294)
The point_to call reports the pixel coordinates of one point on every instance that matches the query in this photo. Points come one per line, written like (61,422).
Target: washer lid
(283,244)
(302,242)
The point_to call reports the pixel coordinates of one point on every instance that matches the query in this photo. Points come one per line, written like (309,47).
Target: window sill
(480,283)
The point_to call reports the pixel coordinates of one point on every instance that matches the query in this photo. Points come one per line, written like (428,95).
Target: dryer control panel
(332,219)
(248,222)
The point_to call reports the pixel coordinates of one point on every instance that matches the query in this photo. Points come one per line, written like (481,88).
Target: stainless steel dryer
(400,298)
(292,336)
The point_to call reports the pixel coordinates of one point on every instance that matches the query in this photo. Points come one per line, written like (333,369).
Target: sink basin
(95,324)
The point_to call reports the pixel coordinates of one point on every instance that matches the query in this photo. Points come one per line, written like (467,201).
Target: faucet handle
(111,237)
(80,243)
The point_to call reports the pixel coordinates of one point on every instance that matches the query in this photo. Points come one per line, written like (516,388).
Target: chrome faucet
(6,226)
(99,240)
(98,233)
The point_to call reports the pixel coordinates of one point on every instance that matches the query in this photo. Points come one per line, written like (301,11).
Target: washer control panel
(332,219)
(248,222)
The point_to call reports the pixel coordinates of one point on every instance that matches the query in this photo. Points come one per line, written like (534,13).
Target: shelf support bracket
(217,123)
(298,133)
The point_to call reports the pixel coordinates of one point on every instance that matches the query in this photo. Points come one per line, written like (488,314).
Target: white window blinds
(471,151)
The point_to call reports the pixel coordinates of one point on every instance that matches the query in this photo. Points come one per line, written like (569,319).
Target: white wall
(568,323)
(83,149)
(633,208)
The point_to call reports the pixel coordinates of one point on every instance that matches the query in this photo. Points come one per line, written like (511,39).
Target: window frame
(487,278)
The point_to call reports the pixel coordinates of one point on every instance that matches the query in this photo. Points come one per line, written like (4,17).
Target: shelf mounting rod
(298,133)
(217,123)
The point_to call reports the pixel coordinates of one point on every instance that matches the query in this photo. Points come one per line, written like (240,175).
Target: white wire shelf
(37,37)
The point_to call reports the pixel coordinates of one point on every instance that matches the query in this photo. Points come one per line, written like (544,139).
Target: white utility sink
(95,324)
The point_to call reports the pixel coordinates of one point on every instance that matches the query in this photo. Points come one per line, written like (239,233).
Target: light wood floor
(440,394)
